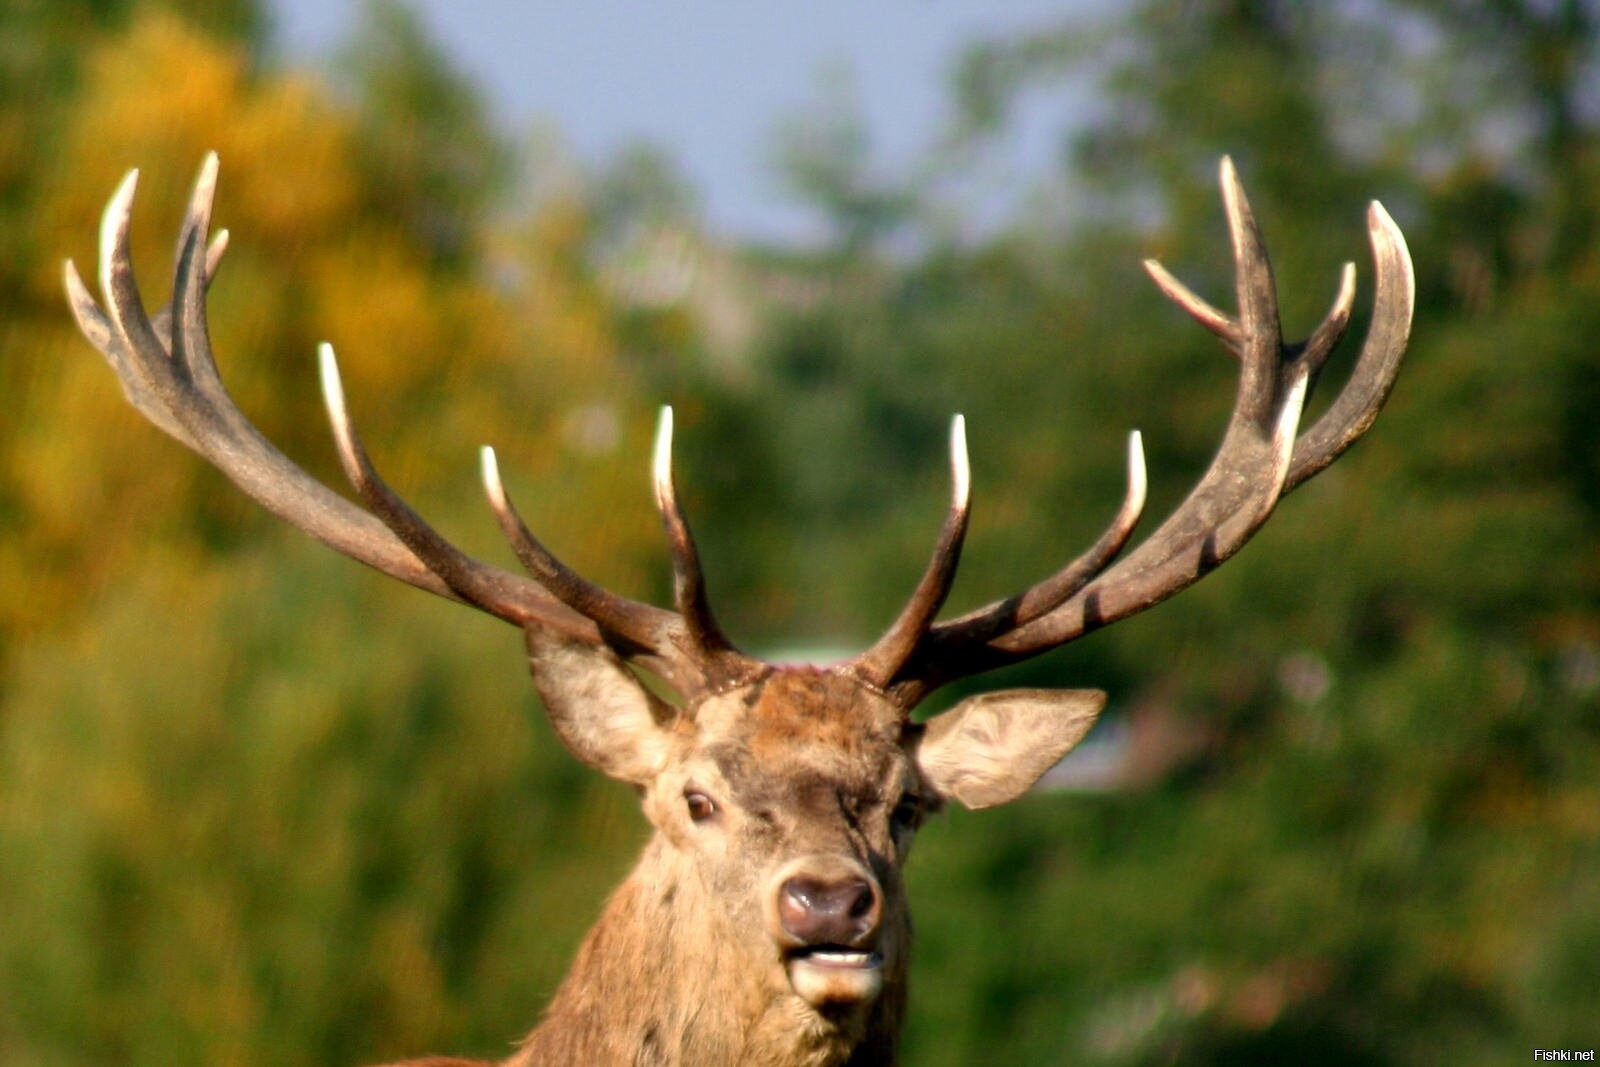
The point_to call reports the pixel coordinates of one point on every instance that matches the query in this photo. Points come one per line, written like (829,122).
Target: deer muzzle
(826,914)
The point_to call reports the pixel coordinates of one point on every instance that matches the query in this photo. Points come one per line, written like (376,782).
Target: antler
(880,662)
(1260,459)
(168,372)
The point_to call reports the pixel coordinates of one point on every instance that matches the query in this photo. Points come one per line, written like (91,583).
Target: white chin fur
(839,979)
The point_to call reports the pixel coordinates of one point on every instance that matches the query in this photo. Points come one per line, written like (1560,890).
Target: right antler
(168,373)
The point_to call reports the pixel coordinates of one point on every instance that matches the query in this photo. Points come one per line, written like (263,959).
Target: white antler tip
(960,467)
(73,280)
(332,386)
(121,202)
(489,467)
(1138,480)
(661,462)
(128,186)
(114,225)
(1233,198)
(207,178)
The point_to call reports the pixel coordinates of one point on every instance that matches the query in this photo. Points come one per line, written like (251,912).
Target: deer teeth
(841,957)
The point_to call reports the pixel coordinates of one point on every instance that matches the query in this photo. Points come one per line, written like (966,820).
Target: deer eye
(906,812)
(701,807)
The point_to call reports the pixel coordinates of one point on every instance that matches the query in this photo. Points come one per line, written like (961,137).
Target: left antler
(1260,459)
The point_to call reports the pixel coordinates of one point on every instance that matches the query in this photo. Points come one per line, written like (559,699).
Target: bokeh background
(260,806)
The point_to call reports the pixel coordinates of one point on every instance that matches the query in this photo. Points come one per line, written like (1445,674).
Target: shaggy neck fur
(662,981)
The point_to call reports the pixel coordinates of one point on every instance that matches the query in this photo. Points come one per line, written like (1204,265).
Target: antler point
(661,462)
(960,466)
(332,386)
(1138,475)
(489,467)
(114,226)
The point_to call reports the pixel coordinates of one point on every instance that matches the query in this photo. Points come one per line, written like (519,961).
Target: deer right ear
(598,708)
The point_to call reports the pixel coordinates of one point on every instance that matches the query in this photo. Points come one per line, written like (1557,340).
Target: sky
(708,80)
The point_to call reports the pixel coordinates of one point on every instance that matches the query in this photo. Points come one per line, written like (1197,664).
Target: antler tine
(190,342)
(173,382)
(1199,310)
(470,580)
(1330,331)
(632,624)
(884,659)
(187,333)
(121,331)
(97,327)
(1259,329)
(688,578)
(706,657)
(1357,406)
(1259,458)
(161,321)
(1045,597)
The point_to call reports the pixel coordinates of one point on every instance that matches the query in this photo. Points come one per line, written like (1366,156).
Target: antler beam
(1260,459)
(169,373)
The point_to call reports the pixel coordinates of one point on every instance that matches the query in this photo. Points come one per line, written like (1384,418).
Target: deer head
(784,797)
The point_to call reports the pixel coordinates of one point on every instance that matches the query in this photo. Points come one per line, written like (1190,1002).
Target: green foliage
(423,134)
(295,837)
(257,806)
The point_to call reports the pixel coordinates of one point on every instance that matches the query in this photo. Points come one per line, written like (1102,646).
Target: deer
(766,920)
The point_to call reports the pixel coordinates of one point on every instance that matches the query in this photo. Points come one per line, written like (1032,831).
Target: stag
(766,921)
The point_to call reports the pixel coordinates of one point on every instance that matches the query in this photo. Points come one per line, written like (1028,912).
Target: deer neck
(662,979)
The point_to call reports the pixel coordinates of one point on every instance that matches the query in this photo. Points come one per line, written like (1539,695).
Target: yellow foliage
(436,363)
(228,881)
(164,95)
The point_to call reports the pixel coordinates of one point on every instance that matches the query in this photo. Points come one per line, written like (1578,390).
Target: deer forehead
(800,725)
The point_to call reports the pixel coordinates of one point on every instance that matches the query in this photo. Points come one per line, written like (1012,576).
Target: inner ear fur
(599,709)
(992,748)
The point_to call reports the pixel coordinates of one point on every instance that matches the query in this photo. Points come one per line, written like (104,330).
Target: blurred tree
(824,155)
(228,896)
(1380,849)
(422,131)
(1386,681)
(1404,819)
(42,43)
(320,255)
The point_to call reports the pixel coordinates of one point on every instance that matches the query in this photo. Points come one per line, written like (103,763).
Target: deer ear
(990,749)
(598,708)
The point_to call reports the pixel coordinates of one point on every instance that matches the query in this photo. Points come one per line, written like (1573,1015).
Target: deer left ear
(990,749)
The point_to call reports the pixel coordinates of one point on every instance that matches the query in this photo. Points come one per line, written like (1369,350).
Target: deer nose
(829,911)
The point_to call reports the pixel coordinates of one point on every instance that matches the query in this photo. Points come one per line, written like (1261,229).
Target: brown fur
(661,980)
(690,963)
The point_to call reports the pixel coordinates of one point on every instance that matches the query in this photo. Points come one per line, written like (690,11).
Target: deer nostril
(817,911)
(864,899)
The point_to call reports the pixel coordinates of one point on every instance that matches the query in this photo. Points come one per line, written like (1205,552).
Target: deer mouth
(834,974)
